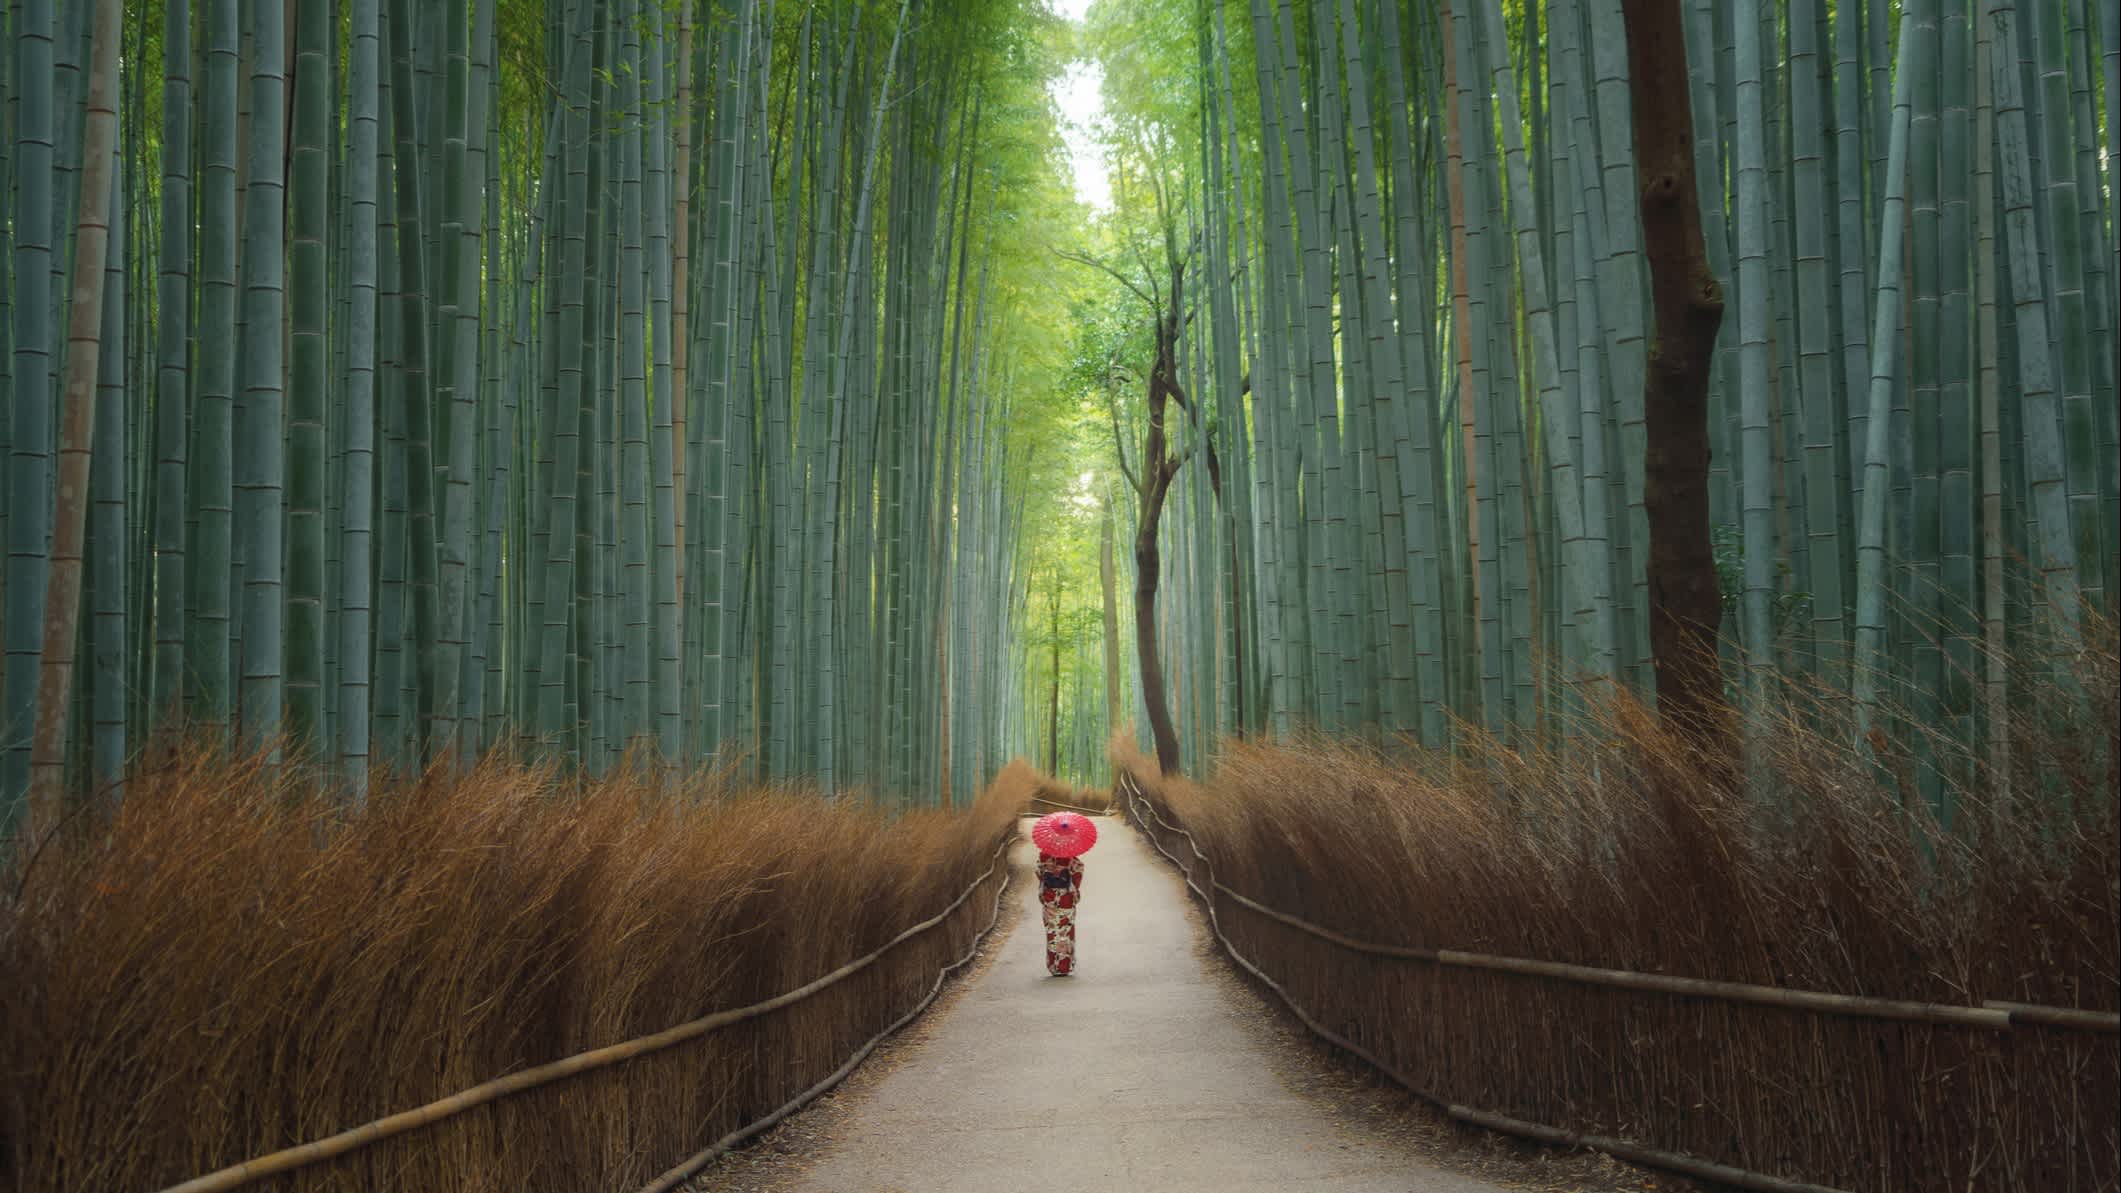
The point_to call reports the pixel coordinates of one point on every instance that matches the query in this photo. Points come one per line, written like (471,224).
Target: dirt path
(1137,1074)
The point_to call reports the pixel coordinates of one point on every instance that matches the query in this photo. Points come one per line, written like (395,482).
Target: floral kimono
(1060,884)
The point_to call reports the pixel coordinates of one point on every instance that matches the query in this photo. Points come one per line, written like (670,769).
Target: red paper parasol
(1064,834)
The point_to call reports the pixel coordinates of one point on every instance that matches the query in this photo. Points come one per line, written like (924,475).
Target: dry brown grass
(226,966)
(1054,795)
(1621,854)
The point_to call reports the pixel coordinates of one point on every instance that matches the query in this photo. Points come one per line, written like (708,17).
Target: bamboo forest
(1626,485)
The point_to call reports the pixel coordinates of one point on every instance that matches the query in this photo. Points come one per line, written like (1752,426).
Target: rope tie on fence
(355,1138)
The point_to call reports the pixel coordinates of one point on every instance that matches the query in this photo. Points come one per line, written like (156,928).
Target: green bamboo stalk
(2070,313)
(562,416)
(1622,311)
(1415,294)
(1582,235)
(261,460)
(109,535)
(415,388)
(1750,219)
(1871,663)
(667,376)
(2096,220)
(828,705)
(486,614)
(1478,416)
(1914,534)
(1851,232)
(1819,394)
(392,711)
(173,308)
(29,471)
(636,683)
(1587,573)
(457,391)
(62,597)
(1391,430)
(7,353)
(308,295)
(356,588)
(1958,596)
(1995,671)
(2054,554)
(589,717)
(1275,386)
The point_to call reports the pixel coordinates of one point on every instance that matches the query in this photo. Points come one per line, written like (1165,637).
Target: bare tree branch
(1185,403)
(1115,275)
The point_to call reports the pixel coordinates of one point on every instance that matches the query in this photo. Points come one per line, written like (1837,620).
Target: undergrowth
(1826,871)
(230,963)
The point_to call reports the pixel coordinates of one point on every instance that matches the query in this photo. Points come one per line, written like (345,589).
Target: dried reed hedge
(228,966)
(1055,796)
(1827,877)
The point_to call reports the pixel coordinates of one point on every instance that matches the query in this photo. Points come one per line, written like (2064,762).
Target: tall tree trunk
(1685,604)
(1147,564)
(1158,470)
(1107,576)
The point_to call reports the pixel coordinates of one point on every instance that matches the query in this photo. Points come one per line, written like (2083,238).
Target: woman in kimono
(1060,884)
(1062,838)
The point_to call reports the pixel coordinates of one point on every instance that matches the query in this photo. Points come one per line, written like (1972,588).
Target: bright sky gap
(1077,93)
